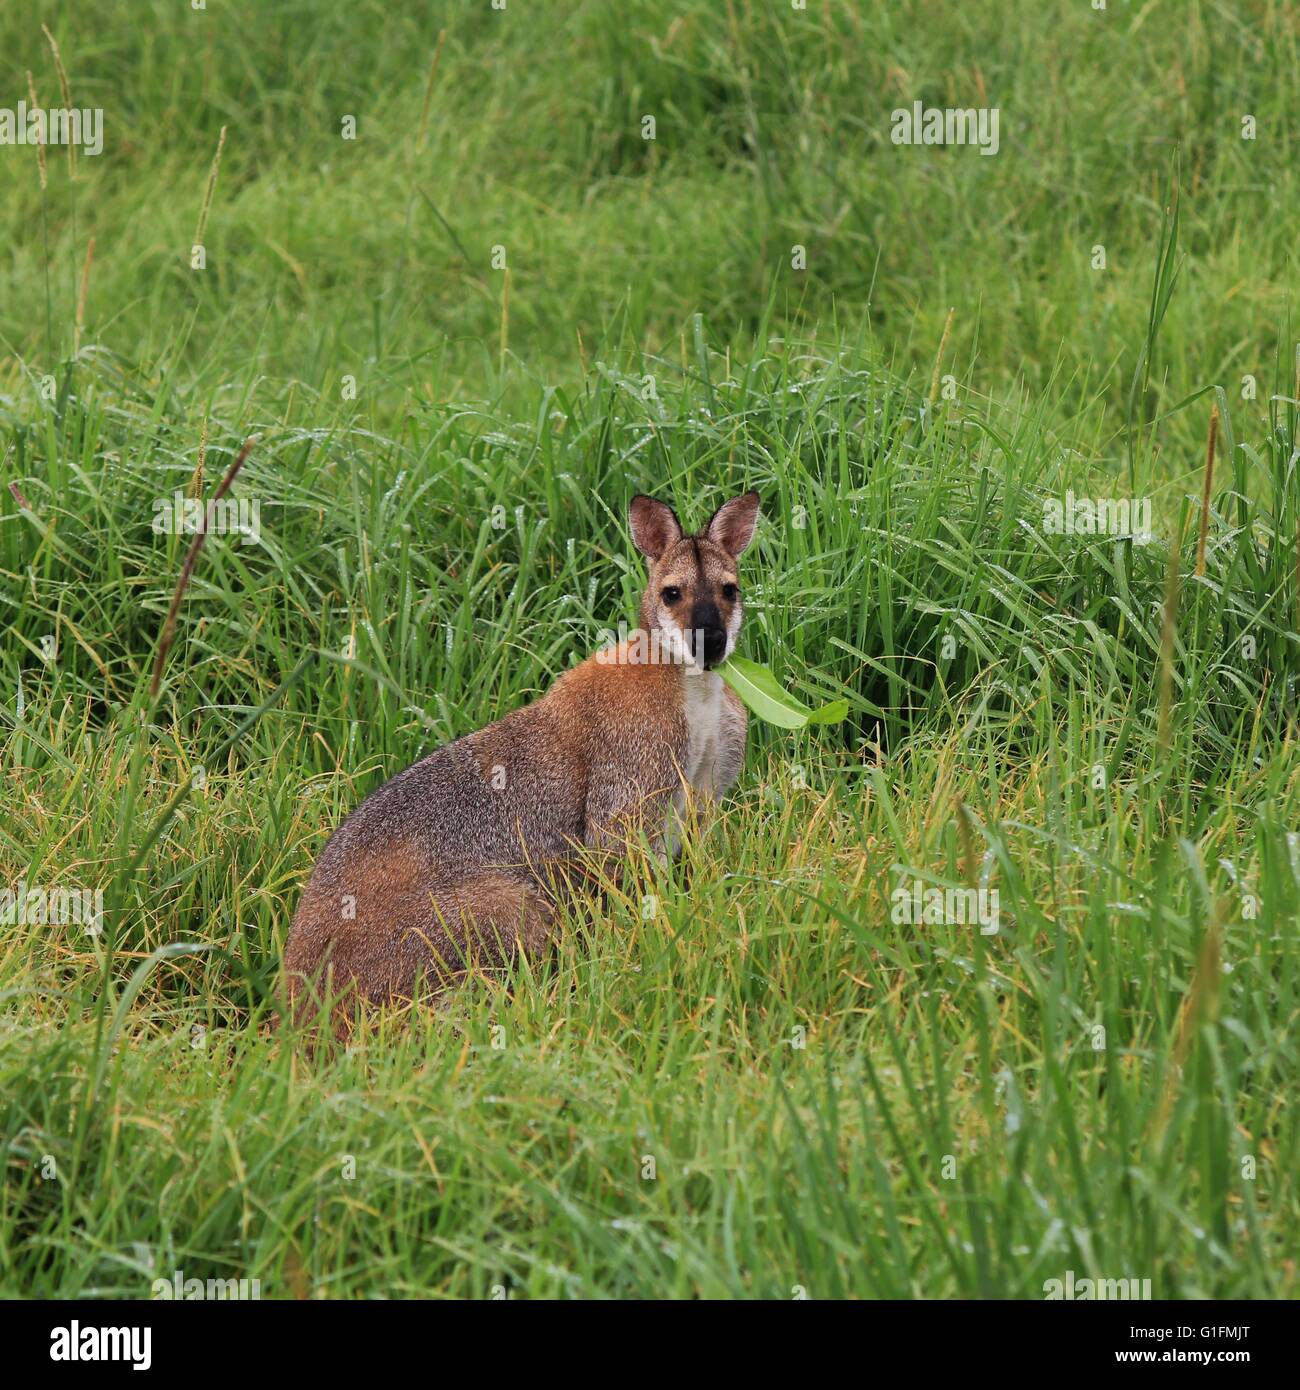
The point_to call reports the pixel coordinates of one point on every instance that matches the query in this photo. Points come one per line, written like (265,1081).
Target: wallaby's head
(693,597)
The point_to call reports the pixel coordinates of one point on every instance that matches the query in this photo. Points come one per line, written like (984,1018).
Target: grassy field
(462,340)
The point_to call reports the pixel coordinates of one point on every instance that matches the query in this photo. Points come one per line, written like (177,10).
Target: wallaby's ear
(654,525)
(732,525)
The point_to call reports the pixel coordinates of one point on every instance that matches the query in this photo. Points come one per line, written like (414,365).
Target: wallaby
(453,862)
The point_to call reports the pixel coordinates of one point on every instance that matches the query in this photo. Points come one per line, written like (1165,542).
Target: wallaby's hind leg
(386,941)
(496,915)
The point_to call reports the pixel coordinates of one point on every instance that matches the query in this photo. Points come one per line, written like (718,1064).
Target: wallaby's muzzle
(707,636)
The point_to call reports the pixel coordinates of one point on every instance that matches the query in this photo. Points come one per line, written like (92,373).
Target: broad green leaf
(763,694)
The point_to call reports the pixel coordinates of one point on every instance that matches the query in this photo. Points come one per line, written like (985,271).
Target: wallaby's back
(444,866)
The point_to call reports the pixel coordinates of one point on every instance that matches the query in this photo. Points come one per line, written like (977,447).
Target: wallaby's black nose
(708,632)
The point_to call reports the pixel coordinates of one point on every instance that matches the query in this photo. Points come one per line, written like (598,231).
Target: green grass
(834,1101)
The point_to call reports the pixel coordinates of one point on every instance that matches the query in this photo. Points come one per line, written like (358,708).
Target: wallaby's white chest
(703,701)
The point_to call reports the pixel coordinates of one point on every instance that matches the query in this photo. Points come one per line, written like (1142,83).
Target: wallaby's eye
(672,593)
(729,591)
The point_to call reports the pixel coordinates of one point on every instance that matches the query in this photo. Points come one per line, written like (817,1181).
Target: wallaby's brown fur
(452,863)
